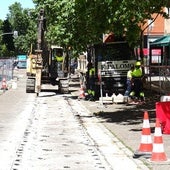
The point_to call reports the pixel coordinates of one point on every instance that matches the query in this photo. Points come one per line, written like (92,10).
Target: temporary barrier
(163,113)
(145,148)
(4,84)
(6,69)
(158,153)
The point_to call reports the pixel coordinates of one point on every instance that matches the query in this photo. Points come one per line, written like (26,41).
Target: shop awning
(163,41)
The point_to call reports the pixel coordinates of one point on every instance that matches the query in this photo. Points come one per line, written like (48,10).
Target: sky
(6,3)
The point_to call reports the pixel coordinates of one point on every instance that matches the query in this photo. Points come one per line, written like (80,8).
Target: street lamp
(14,33)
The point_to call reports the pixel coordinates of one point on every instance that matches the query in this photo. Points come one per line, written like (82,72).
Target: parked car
(22,64)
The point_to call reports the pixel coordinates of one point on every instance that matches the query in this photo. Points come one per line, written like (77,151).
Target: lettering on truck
(115,68)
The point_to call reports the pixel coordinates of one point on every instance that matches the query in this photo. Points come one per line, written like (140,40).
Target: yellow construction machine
(43,71)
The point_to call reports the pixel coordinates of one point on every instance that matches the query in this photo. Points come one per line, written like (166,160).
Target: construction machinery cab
(56,66)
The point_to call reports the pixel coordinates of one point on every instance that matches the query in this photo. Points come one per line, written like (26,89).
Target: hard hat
(138,63)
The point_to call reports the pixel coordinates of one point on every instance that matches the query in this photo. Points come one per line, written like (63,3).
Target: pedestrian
(137,75)
(129,82)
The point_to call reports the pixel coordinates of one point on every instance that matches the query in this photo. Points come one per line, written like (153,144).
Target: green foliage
(78,23)
(7,39)
(23,21)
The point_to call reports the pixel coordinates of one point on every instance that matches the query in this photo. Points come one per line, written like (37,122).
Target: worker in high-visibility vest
(137,75)
(59,57)
(91,79)
(59,62)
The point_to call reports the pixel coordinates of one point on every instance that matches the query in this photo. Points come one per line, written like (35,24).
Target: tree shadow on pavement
(131,115)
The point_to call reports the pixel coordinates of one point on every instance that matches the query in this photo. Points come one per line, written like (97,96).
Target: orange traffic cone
(145,148)
(158,153)
(82,93)
(4,84)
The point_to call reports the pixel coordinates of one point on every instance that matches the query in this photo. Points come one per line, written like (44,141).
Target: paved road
(15,106)
(53,131)
(104,133)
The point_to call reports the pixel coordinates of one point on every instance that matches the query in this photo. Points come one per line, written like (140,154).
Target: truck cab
(112,60)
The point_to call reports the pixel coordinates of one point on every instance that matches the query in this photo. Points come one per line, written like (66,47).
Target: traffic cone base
(145,148)
(158,157)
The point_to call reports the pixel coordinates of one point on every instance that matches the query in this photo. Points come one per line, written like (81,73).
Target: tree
(2,46)
(133,15)
(7,37)
(21,20)
(67,25)
(81,22)
(24,21)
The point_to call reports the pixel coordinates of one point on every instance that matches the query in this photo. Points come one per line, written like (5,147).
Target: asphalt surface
(54,131)
(115,129)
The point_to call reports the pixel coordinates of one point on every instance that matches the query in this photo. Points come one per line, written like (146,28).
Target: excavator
(43,71)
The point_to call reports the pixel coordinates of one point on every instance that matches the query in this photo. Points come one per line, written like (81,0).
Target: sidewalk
(118,156)
(124,122)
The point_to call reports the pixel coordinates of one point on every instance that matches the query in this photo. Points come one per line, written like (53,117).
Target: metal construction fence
(6,69)
(159,76)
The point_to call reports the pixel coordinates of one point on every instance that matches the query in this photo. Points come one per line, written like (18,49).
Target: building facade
(157,29)
(154,31)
